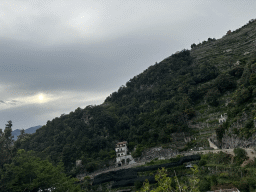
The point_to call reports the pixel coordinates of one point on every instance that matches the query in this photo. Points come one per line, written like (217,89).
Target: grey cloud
(40,53)
(76,67)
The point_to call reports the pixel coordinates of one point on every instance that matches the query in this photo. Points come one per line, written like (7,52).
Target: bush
(237,72)
(214,180)
(138,151)
(240,155)
(90,167)
(131,146)
(225,82)
(193,46)
(204,185)
(253,79)
(202,162)
(243,95)
(212,96)
(138,184)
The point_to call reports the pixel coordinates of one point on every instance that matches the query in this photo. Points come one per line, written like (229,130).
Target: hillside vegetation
(186,92)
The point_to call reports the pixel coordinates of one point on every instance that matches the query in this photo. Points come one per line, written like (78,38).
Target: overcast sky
(57,55)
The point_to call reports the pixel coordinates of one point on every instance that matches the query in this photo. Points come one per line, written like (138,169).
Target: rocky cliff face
(157,152)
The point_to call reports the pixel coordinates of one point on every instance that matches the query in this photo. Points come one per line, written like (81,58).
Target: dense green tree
(193,46)
(165,183)
(30,173)
(242,95)
(6,144)
(204,185)
(212,96)
(240,155)
(220,131)
(225,82)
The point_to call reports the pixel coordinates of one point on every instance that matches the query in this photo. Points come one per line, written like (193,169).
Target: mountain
(176,103)
(30,130)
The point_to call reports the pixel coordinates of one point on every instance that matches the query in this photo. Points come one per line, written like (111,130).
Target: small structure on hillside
(78,163)
(188,166)
(223,118)
(122,157)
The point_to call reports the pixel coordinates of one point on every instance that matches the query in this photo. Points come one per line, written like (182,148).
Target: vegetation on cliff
(186,92)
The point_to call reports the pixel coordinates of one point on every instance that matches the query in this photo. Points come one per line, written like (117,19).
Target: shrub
(242,95)
(240,155)
(138,184)
(90,167)
(237,72)
(202,162)
(193,46)
(253,79)
(225,82)
(212,96)
(204,185)
(138,151)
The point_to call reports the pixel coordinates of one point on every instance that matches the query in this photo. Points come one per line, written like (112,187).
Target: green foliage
(225,82)
(245,78)
(204,185)
(165,182)
(253,79)
(248,130)
(236,72)
(131,146)
(29,173)
(138,151)
(193,46)
(242,95)
(214,180)
(91,166)
(212,96)
(205,72)
(220,131)
(138,184)
(240,155)
(6,144)
(202,162)
(162,100)
(216,158)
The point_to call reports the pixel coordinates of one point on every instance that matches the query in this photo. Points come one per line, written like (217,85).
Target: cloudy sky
(57,55)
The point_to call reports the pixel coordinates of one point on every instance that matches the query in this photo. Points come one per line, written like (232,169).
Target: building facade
(122,157)
(223,118)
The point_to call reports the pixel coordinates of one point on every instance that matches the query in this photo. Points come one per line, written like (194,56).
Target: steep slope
(185,93)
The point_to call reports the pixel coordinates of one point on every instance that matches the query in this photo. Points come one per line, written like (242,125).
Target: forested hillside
(186,92)
(180,94)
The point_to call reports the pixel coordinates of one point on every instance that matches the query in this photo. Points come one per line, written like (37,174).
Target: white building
(122,153)
(223,118)
(121,149)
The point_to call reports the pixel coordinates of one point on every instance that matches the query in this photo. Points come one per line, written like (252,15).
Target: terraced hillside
(185,93)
